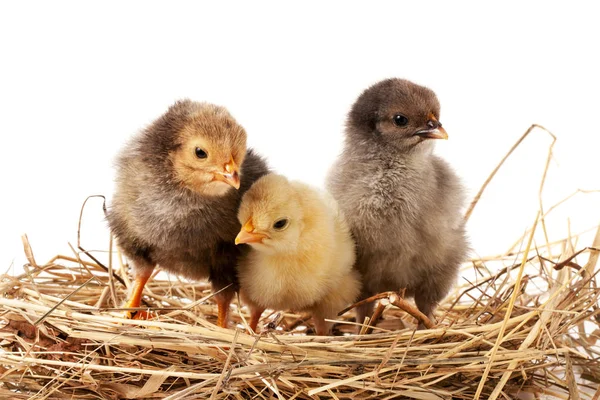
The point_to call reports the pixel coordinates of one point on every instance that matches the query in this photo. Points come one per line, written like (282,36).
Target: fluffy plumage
(302,252)
(402,202)
(174,204)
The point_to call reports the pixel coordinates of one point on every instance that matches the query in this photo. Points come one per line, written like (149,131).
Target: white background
(78,78)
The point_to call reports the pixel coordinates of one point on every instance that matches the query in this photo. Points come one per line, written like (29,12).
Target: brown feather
(159,218)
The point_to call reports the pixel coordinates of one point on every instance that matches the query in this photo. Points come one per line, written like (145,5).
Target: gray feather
(402,202)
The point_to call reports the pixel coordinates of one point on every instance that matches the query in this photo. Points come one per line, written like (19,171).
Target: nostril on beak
(433,124)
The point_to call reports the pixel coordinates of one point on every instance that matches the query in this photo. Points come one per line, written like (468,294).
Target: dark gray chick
(176,201)
(402,202)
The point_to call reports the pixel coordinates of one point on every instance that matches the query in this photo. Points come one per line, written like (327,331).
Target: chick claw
(137,314)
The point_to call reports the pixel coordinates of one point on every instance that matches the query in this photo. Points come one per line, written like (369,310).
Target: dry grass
(525,322)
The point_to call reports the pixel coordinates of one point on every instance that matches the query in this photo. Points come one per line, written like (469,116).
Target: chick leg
(135,299)
(223,300)
(255,314)
(363,311)
(426,304)
(430,292)
(375,316)
(322,327)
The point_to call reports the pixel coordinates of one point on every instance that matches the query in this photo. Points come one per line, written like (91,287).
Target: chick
(176,202)
(302,252)
(403,203)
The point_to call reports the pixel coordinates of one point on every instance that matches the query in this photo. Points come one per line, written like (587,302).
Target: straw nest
(524,322)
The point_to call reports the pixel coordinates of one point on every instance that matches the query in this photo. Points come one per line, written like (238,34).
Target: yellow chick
(302,252)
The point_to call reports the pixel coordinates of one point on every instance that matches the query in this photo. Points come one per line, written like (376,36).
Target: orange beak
(248,235)
(434,129)
(230,174)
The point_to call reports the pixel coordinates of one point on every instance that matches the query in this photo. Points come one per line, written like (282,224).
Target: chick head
(271,215)
(205,146)
(398,112)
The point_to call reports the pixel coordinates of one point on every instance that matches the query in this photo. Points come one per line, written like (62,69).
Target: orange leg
(255,314)
(375,317)
(135,300)
(223,301)
(322,327)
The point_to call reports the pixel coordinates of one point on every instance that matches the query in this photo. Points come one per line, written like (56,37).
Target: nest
(526,322)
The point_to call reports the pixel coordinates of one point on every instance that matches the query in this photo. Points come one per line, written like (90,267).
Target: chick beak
(248,235)
(230,174)
(434,129)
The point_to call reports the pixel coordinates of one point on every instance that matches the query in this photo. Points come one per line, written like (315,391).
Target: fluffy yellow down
(308,265)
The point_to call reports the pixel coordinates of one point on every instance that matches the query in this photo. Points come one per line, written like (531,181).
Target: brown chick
(176,202)
(402,201)
(302,252)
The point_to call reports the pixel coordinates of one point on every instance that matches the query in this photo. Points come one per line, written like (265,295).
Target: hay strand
(506,156)
(522,331)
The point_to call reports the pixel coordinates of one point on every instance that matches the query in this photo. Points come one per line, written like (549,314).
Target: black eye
(400,120)
(280,224)
(201,153)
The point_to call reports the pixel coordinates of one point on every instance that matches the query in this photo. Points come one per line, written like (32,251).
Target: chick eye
(201,153)
(400,120)
(280,224)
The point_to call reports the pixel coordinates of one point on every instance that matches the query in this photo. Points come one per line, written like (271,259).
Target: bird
(178,187)
(302,252)
(403,203)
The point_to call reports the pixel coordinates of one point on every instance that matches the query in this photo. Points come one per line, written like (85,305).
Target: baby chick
(402,202)
(176,201)
(302,252)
